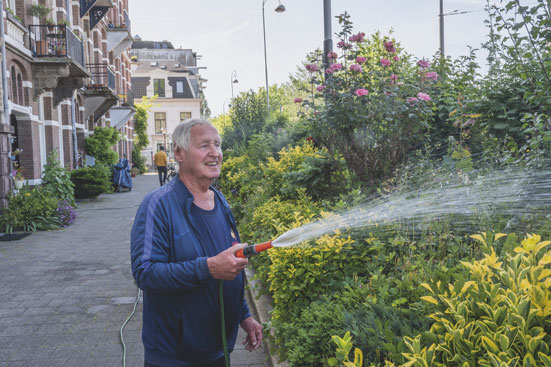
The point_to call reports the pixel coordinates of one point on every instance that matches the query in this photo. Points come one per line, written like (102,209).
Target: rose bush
(364,110)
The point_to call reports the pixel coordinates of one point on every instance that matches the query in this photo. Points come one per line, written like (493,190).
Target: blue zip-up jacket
(181,309)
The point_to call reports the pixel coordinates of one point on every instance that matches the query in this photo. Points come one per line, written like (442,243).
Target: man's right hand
(226,265)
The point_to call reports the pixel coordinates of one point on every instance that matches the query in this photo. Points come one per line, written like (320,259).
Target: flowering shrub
(30,210)
(66,213)
(371,105)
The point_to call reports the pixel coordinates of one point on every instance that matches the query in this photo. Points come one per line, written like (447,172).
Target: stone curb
(262,306)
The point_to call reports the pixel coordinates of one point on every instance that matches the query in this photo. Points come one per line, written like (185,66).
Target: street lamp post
(233,80)
(280,9)
(328,41)
(163,131)
(224,110)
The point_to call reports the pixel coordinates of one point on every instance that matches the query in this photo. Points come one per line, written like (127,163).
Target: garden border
(262,306)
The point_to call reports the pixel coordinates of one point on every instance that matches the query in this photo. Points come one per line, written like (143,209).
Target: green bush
(57,180)
(306,338)
(497,313)
(30,210)
(138,161)
(99,145)
(92,181)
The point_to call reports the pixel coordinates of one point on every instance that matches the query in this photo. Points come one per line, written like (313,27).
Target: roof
(155,45)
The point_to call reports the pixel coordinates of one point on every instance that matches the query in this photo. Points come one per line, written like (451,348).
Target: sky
(228,34)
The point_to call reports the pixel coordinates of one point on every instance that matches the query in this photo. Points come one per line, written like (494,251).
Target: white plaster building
(173,76)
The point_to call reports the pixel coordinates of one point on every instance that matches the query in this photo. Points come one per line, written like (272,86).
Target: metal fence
(55,41)
(102,76)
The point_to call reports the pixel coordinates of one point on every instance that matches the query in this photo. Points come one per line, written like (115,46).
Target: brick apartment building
(67,71)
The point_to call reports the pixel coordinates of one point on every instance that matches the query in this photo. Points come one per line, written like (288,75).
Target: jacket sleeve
(149,250)
(245,313)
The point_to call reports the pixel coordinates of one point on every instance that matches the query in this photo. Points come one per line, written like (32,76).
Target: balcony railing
(55,41)
(102,76)
(127,21)
(126,99)
(15,31)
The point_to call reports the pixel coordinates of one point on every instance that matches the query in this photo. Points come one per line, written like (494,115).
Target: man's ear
(179,155)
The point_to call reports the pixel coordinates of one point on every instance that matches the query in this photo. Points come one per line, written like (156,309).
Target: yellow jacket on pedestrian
(160,158)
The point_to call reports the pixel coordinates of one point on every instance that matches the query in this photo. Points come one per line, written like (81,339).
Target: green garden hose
(224,341)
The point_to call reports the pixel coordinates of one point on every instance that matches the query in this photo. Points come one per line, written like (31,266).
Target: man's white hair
(181,137)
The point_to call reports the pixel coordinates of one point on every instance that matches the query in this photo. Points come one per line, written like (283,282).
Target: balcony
(124,111)
(127,99)
(16,34)
(102,76)
(58,60)
(99,93)
(119,38)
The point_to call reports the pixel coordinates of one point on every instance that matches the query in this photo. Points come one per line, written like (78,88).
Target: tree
(205,110)
(99,145)
(140,122)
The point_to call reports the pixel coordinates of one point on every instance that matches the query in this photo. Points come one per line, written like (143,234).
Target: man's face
(203,158)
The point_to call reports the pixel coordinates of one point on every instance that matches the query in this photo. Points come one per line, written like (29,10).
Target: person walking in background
(183,244)
(160,161)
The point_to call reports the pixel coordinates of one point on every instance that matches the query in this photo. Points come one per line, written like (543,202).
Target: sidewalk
(65,294)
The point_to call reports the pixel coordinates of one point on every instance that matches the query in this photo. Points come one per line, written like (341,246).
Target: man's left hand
(253,341)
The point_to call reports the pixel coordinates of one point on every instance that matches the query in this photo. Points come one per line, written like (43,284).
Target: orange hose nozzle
(249,251)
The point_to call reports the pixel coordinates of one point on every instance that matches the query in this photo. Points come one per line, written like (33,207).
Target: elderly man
(183,244)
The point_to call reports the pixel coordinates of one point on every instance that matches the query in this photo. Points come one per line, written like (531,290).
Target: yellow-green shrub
(272,217)
(498,316)
(298,275)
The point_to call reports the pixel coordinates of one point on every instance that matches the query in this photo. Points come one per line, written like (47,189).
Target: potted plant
(50,23)
(18,178)
(40,11)
(63,24)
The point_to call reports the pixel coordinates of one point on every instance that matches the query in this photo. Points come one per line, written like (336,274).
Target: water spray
(513,192)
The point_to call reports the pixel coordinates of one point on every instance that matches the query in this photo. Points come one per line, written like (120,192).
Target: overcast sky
(228,33)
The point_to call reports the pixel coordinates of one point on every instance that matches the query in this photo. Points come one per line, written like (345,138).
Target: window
(159,87)
(160,122)
(185,116)
(179,87)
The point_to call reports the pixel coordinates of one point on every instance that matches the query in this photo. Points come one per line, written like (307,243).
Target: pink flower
(393,78)
(312,67)
(344,45)
(361,92)
(329,70)
(390,47)
(432,75)
(336,66)
(298,100)
(396,58)
(423,96)
(355,67)
(360,59)
(357,37)
(385,62)
(423,64)
(320,88)
(332,55)
(387,93)
(412,100)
